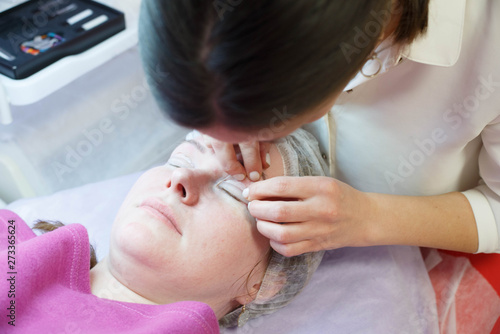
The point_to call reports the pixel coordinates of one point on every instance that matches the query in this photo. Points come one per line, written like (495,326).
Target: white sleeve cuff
(485,220)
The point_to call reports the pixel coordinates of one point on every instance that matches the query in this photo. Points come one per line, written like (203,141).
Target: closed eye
(180,161)
(236,198)
(232,190)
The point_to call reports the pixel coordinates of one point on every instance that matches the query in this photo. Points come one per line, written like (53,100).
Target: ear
(252,294)
(270,292)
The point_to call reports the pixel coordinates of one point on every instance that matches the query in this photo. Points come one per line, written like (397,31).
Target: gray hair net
(285,277)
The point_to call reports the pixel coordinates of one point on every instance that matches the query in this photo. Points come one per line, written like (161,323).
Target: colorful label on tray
(41,43)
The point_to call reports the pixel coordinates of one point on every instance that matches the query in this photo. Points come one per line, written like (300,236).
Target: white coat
(429,122)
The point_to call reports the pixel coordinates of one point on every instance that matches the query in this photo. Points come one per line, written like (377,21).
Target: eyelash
(227,192)
(188,163)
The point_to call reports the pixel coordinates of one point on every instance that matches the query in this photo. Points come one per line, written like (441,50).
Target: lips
(156,207)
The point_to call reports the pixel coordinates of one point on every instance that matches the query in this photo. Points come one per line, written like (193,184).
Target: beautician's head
(212,252)
(233,68)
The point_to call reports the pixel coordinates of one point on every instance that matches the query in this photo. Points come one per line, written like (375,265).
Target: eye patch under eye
(233,188)
(180,161)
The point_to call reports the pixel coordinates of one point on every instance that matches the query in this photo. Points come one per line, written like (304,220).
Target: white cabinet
(68,69)
(86,118)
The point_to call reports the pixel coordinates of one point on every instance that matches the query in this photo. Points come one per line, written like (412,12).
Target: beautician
(409,91)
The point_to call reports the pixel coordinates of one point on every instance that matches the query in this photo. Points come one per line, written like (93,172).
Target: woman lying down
(184,253)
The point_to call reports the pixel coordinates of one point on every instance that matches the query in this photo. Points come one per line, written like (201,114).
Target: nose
(187,185)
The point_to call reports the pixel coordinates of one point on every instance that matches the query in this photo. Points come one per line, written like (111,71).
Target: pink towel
(45,288)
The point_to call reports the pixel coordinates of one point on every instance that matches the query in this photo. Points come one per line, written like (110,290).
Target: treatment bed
(385,289)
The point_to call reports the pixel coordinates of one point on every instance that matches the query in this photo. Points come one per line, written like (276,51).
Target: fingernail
(193,134)
(239,177)
(245,192)
(268,159)
(254,176)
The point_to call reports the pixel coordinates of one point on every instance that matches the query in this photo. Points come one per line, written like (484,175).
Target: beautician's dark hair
(234,62)
(414,19)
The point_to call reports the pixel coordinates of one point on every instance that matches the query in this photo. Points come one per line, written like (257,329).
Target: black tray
(37,33)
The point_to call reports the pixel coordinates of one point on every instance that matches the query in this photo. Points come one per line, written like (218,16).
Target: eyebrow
(196,144)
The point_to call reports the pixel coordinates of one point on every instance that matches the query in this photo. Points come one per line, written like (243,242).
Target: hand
(306,214)
(241,160)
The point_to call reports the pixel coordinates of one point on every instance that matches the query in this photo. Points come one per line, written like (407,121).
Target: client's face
(184,231)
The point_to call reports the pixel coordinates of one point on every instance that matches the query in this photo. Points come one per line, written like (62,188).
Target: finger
(208,141)
(285,187)
(283,233)
(251,158)
(193,135)
(294,249)
(227,158)
(281,211)
(264,154)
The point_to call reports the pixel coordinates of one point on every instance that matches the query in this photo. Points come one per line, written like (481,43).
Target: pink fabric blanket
(45,288)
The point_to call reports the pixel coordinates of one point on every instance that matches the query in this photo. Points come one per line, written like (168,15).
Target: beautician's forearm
(444,221)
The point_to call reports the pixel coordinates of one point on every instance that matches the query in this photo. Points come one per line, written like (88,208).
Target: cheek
(152,179)
(131,238)
(222,231)
(149,183)
(230,238)
(140,241)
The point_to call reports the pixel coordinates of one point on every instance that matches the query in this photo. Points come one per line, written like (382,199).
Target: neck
(104,285)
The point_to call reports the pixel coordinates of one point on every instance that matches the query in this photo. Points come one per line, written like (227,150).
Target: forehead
(195,143)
